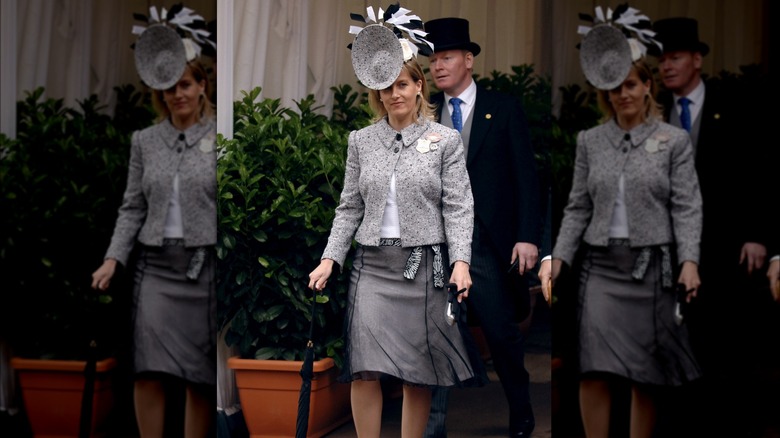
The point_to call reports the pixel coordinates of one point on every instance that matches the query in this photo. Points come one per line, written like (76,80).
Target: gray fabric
(157,154)
(396,326)
(695,125)
(174,326)
(663,201)
(465,134)
(433,189)
(626,327)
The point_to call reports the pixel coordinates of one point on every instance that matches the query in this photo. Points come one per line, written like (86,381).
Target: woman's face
(400,100)
(628,100)
(183,100)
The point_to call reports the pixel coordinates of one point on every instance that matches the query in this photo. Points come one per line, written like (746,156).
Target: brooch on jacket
(656,143)
(206,144)
(424,145)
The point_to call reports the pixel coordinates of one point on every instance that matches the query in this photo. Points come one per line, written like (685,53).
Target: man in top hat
(501,166)
(726,312)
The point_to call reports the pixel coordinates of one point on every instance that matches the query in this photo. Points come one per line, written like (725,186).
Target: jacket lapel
(480,124)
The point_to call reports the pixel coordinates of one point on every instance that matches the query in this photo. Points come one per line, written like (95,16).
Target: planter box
(268,391)
(52,392)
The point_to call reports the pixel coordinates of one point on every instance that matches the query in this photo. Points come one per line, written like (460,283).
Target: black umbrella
(307,372)
(85,420)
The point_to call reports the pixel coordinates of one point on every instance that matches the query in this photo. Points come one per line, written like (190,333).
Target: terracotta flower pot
(52,391)
(268,391)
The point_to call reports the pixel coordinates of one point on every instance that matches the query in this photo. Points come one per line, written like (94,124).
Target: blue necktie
(457,116)
(685,113)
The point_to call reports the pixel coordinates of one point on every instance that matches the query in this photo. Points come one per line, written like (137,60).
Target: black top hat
(450,34)
(679,33)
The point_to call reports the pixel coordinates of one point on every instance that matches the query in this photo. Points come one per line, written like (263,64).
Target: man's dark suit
(724,315)
(505,186)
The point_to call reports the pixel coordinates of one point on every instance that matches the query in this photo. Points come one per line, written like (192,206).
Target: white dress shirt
(469,98)
(697,101)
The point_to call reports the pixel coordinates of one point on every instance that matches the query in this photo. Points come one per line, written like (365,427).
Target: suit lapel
(480,124)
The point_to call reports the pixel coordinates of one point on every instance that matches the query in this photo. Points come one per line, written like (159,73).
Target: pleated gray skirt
(174,325)
(396,326)
(626,326)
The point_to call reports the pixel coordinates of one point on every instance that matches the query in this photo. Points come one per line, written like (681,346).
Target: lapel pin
(423,146)
(488,116)
(717,116)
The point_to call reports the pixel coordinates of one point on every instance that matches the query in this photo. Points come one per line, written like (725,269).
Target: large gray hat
(605,57)
(377,56)
(160,57)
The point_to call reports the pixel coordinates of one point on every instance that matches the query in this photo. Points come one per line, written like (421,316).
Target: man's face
(680,70)
(451,70)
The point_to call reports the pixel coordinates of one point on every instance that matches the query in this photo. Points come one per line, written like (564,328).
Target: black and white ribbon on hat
(401,23)
(185,21)
(635,26)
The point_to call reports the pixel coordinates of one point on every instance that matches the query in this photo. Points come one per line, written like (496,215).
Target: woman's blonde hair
(206,109)
(652,109)
(424,107)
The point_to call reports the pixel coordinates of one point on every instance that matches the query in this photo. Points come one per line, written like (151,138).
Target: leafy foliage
(279,181)
(62,181)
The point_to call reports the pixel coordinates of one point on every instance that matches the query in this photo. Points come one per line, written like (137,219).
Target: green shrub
(279,181)
(62,181)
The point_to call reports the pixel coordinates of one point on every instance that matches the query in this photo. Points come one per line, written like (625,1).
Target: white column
(8,67)
(225,68)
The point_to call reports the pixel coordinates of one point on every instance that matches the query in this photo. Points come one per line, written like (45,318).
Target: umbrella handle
(313,311)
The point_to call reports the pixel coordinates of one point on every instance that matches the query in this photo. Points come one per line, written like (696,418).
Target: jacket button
(625,150)
(181,137)
(627,137)
(396,150)
(398,137)
(178,150)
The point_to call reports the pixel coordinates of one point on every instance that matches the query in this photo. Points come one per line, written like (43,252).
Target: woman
(407,201)
(169,212)
(634,206)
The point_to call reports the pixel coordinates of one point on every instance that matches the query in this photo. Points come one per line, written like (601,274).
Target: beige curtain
(735,30)
(294,48)
(72,48)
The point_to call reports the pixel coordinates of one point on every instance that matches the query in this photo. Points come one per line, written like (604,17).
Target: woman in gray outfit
(407,201)
(169,213)
(634,212)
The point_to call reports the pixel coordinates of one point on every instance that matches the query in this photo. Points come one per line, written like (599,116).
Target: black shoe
(523,429)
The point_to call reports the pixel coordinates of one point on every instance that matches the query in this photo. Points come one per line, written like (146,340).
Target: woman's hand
(545,278)
(461,277)
(689,276)
(318,278)
(101,278)
(557,265)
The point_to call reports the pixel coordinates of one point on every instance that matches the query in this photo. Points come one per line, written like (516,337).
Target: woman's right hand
(101,278)
(557,265)
(689,276)
(318,278)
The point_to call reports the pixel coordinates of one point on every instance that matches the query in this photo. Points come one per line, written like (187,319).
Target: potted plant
(279,180)
(62,181)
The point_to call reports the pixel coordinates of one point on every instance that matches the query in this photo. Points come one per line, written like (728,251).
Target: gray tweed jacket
(662,195)
(156,155)
(433,191)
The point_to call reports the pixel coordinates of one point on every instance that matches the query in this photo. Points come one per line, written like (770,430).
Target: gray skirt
(174,325)
(626,326)
(396,326)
